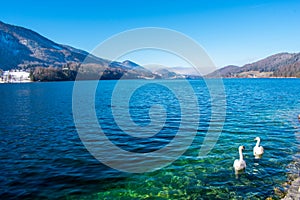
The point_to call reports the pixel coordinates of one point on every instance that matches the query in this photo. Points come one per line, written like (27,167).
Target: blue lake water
(43,157)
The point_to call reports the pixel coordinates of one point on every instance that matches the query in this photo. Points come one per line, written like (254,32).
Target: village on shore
(15,76)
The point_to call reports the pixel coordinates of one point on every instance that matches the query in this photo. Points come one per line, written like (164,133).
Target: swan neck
(257,143)
(241,154)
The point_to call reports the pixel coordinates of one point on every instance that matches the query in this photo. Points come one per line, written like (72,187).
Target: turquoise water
(42,155)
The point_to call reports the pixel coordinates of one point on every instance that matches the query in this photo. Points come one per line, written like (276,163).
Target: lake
(43,156)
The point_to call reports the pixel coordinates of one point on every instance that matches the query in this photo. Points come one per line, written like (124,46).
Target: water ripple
(42,156)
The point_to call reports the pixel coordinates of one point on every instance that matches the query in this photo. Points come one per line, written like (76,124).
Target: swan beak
(243,147)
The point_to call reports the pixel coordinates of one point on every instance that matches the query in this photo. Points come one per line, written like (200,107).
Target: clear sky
(231,31)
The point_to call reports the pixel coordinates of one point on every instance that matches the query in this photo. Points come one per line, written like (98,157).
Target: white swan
(258,151)
(240,164)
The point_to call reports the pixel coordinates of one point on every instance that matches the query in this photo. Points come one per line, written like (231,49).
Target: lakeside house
(15,76)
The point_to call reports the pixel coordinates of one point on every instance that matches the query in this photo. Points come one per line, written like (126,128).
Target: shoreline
(293,191)
(293,184)
(201,78)
(17,82)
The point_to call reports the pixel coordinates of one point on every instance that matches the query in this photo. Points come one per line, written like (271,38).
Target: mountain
(21,47)
(48,61)
(184,71)
(165,73)
(278,65)
(175,72)
(227,71)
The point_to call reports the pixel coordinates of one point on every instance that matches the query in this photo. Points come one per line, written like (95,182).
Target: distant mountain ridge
(278,65)
(48,61)
(28,50)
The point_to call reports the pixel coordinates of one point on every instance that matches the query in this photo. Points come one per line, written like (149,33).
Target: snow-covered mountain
(23,48)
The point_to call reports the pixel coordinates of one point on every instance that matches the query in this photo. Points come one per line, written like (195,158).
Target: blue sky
(231,31)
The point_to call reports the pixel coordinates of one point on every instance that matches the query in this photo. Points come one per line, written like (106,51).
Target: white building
(15,76)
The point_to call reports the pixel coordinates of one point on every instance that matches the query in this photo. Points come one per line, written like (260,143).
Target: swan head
(257,138)
(242,148)
(299,116)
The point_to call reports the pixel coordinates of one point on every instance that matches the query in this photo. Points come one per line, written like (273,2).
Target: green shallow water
(265,108)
